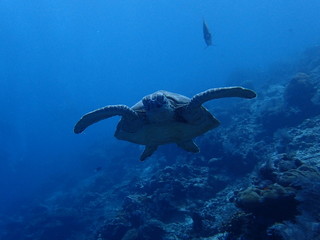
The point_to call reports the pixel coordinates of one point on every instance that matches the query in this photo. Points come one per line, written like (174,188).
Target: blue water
(61,59)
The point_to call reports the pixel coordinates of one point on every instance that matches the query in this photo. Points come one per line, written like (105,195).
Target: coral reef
(273,201)
(257,177)
(300,83)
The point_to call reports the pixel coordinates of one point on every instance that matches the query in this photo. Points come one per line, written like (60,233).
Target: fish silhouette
(206,34)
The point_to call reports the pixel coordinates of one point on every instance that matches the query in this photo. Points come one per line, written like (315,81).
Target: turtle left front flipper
(215,93)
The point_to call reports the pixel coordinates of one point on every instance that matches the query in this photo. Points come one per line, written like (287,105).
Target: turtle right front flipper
(103,113)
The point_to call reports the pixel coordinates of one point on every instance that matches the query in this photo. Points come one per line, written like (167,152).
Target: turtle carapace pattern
(164,117)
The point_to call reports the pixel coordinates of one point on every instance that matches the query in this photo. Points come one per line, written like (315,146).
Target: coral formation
(274,201)
(300,83)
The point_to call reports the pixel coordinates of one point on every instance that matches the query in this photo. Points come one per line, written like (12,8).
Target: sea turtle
(164,117)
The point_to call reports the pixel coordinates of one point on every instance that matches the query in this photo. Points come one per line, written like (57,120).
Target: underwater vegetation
(256,177)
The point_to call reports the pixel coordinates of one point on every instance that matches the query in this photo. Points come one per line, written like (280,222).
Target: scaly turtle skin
(164,117)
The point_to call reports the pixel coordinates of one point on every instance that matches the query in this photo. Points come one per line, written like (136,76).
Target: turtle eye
(146,103)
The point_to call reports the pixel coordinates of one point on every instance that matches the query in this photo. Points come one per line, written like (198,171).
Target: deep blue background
(61,59)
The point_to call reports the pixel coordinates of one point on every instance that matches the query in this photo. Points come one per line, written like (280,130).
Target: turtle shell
(186,124)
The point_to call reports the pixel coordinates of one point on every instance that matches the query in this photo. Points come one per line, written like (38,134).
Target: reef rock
(273,201)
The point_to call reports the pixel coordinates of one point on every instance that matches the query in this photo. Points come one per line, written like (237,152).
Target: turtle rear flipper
(148,151)
(189,146)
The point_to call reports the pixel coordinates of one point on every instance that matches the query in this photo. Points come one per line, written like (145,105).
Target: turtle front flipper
(215,93)
(103,113)
(148,151)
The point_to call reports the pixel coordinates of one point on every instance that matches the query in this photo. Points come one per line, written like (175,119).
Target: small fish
(206,34)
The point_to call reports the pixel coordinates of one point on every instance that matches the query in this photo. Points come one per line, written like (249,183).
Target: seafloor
(256,178)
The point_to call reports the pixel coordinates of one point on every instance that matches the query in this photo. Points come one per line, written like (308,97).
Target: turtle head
(158,107)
